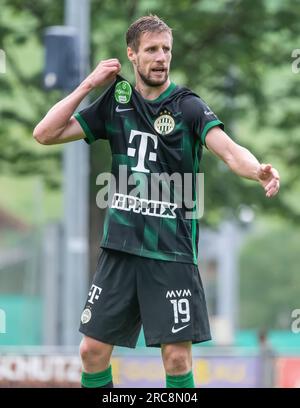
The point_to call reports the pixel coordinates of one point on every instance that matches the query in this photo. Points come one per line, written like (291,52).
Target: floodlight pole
(76,170)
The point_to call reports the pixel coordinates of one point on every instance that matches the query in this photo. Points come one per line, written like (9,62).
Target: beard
(153,82)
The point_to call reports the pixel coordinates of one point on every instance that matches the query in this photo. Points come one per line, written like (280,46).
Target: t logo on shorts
(94,293)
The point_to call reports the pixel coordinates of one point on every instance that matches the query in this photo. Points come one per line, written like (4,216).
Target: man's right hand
(59,126)
(106,71)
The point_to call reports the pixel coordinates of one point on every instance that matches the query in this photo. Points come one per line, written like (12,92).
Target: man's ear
(131,55)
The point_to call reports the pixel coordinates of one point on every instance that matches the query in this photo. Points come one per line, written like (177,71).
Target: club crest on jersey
(123,92)
(164,124)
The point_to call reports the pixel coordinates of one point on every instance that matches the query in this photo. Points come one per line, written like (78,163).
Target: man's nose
(160,55)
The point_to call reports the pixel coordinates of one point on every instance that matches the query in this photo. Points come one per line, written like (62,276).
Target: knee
(93,351)
(177,359)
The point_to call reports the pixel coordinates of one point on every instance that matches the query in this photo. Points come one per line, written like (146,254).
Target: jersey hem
(136,253)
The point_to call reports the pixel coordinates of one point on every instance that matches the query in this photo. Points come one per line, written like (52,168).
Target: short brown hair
(145,24)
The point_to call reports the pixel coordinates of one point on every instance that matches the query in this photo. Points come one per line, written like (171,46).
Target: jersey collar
(163,95)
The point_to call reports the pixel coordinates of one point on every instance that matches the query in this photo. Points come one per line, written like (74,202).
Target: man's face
(152,60)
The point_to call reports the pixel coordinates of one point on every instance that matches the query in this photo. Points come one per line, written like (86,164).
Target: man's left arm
(241,161)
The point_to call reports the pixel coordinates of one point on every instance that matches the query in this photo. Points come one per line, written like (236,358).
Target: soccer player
(147,272)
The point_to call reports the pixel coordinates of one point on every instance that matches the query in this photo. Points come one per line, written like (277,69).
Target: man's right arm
(59,125)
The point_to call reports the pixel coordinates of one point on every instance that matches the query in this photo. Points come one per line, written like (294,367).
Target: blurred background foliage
(237,56)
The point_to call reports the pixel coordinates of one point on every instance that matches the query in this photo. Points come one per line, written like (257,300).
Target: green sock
(96,380)
(180,381)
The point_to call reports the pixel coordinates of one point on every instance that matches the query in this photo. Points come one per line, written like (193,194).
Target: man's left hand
(269,179)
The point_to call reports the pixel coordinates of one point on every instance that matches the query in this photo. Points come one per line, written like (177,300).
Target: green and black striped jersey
(156,148)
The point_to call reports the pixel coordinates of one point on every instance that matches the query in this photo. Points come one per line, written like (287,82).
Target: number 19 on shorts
(181,310)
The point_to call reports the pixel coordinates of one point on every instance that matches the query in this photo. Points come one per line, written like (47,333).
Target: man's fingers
(268,173)
(275,174)
(111,69)
(272,192)
(272,188)
(266,168)
(264,171)
(273,183)
(110,62)
(270,176)
(104,72)
(108,65)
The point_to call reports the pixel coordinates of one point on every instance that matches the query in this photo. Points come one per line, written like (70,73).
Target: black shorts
(129,290)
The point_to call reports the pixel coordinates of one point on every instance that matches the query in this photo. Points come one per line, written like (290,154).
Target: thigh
(172,303)
(111,313)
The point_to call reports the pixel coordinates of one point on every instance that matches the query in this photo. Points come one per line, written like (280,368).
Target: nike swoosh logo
(208,112)
(179,328)
(123,110)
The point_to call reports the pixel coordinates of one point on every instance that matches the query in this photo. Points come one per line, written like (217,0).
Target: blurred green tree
(22,101)
(269,278)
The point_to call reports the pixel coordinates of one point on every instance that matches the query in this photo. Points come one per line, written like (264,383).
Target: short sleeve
(92,118)
(201,117)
